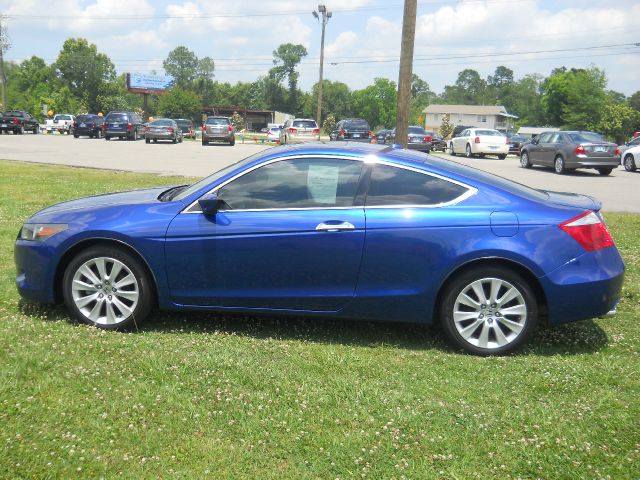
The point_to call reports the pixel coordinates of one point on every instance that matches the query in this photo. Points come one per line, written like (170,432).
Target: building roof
(536,130)
(469,110)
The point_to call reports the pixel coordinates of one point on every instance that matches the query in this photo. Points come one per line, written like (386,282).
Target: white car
(631,158)
(61,123)
(480,141)
(273,134)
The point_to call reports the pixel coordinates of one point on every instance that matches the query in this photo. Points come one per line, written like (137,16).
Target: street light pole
(326,15)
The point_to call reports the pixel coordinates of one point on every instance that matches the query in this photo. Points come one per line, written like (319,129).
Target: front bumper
(34,270)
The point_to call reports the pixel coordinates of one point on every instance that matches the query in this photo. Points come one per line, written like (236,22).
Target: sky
(362,36)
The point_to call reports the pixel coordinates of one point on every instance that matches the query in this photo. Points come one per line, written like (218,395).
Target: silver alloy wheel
(469,154)
(524,160)
(558,165)
(629,163)
(490,313)
(105,290)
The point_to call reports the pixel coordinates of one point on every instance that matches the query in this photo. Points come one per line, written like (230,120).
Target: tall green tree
(182,65)
(634,101)
(469,89)
(179,103)
(421,95)
(286,59)
(575,99)
(336,100)
(524,99)
(618,121)
(377,103)
(82,69)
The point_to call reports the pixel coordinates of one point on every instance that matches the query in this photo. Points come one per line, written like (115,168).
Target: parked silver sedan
(162,129)
(568,150)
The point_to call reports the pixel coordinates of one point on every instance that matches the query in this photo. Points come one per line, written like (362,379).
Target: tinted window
(586,137)
(300,183)
(184,123)
(417,131)
(86,118)
(305,124)
(162,123)
(635,141)
(217,121)
(357,123)
(544,138)
(14,114)
(117,117)
(397,186)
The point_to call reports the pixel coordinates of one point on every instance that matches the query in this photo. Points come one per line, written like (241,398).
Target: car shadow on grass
(569,339)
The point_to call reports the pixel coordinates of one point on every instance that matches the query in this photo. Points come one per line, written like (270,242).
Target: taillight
(316,130)
(580,149)
(230,128)
(75,125)
(342,133)
(370,134)
(293,130)
(426,139)
(589,231)
(16,121)
(477,140)
(129,126)
(617,150)
(93,125)
(170,129)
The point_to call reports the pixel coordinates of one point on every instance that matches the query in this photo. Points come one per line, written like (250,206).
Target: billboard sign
(138,82)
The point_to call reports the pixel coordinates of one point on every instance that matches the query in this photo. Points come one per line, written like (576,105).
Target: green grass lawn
(213,396)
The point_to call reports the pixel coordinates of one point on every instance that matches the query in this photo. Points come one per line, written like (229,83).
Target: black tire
(232,142)
(204,141)
(629,163)
(502,157)
(146,140)
(155,140)
(524,160)
(36,130)
(112,310)
(468,152)
(75,135)
(452,152)
(604,171)
(558,165)
(494,333)
(21,130)
(175,140)
(98,134)
(107,137)
(135,135)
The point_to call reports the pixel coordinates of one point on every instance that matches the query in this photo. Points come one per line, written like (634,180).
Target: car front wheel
(629,163)
(108,288)
(524,160)
(488,310)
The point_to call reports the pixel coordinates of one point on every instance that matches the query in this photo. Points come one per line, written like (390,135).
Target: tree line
(82,79)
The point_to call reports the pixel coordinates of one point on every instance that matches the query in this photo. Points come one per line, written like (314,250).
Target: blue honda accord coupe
(350,230)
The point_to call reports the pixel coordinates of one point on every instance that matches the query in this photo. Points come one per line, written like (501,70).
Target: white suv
(299,130)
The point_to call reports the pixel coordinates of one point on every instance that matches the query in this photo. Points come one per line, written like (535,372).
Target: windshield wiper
(170,194)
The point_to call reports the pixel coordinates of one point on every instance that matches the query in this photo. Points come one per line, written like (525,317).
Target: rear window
(489,133)
(162,123)
(305,124)
(117,117)
(586,137)
(358,123)
(184,123)
(14,114)
(417,130)
(86,118)
(274,129)
(217,121)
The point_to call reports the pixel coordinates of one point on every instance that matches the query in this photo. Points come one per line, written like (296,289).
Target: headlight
(41,231)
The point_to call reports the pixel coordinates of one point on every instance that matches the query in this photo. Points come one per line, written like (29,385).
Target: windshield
(489,133)
(217,121)
(586,137)
(216,176)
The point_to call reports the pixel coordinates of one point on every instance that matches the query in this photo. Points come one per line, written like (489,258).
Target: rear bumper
(218,137)
(586,287)
(582,161)
(160,135)
(421,147)
(303,139)
(487,150)
(118,133)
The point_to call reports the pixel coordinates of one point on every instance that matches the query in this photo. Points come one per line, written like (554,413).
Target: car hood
(574,200)
(110,199)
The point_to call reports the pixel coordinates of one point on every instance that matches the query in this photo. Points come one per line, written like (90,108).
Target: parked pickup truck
(17,121)
(62,123)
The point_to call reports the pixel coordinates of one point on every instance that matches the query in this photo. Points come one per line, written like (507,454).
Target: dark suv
(127,125)
(351,129)
(88,125)
(18,121)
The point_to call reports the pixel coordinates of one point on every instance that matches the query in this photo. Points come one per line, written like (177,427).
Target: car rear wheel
(558,165)
(21,130)
(75,135)
(629,163)
(232,142)
(468,151)
(604,171)
(147,140)
(205,142)
(502,157)
(99,134)
(107,137)
(36,130)
(108,288)
(489,310)
(524,160)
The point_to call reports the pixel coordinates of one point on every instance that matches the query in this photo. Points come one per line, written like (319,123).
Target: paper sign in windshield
(322,182)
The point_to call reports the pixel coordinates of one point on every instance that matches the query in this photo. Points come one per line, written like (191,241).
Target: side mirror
(210,204)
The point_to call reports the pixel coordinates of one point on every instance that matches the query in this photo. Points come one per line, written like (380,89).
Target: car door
(289,236)
(460,142)
(539,149)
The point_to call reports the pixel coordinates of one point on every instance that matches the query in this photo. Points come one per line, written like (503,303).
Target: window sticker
(322,182)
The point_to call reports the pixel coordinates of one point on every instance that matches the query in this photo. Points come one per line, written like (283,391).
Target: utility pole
(406,68)
(4,46)
(325,19)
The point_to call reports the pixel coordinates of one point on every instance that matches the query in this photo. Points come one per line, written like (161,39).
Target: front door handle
(334,226)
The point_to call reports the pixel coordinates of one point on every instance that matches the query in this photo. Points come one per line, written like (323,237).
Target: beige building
(495,117)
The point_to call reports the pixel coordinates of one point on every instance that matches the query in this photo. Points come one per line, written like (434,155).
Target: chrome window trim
(369,159)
